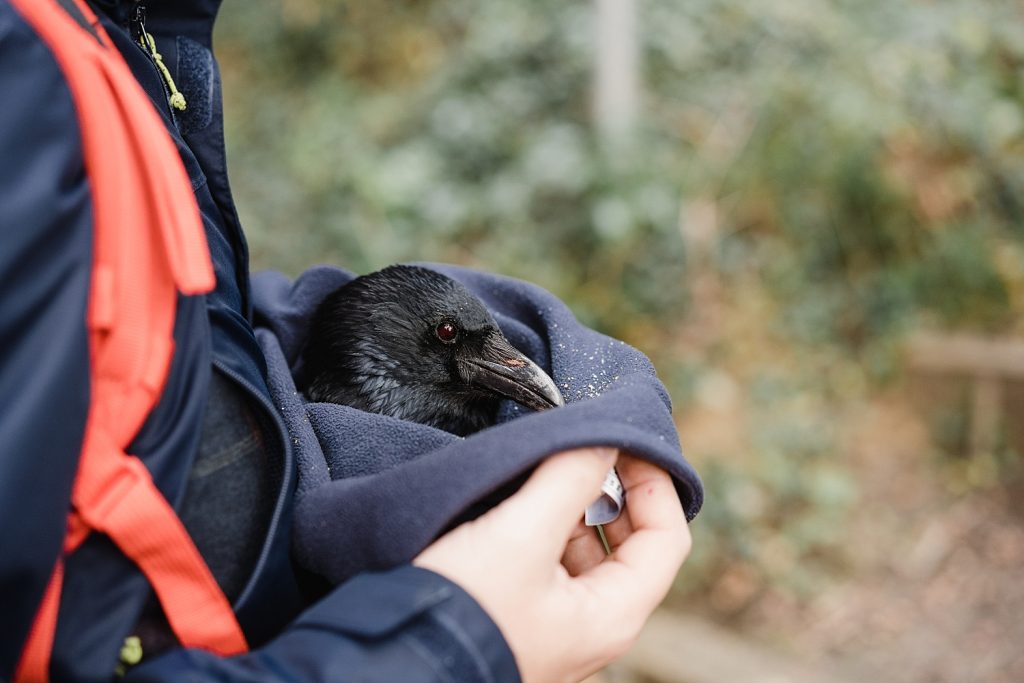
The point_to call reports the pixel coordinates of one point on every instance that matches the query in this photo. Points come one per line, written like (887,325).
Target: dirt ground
(934,591)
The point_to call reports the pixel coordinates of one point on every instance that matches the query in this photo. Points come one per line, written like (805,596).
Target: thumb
(553,499)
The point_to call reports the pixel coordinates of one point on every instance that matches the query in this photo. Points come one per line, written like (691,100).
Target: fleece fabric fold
(373,491)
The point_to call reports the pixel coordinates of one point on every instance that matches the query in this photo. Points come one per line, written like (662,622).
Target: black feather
(374,344)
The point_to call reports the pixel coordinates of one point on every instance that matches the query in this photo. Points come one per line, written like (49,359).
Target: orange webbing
(148,245)
(114,494)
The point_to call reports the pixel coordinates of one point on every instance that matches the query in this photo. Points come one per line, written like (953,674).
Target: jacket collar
(190,18)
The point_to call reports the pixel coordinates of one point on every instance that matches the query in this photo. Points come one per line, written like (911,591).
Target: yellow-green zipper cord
(177,99)
(131,654)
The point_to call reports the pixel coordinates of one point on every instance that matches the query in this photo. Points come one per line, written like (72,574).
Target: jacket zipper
(137,21)
(138,33)
(286,474)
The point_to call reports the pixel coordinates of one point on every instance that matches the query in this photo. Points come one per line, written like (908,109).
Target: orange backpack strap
(148,246)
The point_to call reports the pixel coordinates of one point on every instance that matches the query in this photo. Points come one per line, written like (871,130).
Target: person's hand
(565,608)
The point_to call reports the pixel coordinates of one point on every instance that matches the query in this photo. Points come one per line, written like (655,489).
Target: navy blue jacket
(351,497)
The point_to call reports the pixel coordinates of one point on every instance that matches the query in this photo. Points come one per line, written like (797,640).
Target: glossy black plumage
(414,344)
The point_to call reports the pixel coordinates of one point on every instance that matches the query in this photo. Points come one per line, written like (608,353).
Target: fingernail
(607,454)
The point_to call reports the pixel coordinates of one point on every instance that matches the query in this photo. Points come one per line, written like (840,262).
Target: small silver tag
(609,506)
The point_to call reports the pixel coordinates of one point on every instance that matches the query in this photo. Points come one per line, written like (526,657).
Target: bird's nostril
(514,362)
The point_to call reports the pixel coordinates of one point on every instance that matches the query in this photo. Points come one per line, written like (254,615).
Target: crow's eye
(446,332)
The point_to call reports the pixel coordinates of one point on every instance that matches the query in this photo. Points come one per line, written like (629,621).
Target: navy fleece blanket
(373,491)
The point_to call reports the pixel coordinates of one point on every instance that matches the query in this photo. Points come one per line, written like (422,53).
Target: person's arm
(410,624)
(45,266)
(371,625)
(562,606)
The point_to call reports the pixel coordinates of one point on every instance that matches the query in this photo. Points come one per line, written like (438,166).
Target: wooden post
(986,411)
(616,70)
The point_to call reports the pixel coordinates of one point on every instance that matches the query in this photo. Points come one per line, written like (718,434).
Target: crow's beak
(501,369)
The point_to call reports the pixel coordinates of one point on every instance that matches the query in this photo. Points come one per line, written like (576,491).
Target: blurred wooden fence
(989,363)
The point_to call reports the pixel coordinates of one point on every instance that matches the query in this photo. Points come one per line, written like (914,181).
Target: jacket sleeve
(408,625)
(45,263)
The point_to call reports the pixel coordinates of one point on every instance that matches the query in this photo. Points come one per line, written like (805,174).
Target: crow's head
(414,344)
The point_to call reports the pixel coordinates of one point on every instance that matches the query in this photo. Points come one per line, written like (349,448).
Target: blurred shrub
(863,155)
(840,171)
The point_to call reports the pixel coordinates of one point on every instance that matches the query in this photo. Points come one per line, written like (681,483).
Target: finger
(583,551)
(645,564)
(550,503)
(651,495)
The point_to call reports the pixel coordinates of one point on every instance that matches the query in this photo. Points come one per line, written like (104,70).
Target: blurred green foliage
(841,171)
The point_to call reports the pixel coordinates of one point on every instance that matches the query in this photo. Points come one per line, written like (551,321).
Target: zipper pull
(137,22)
(145,39)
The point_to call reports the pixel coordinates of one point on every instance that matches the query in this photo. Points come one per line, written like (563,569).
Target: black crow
(414,344)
